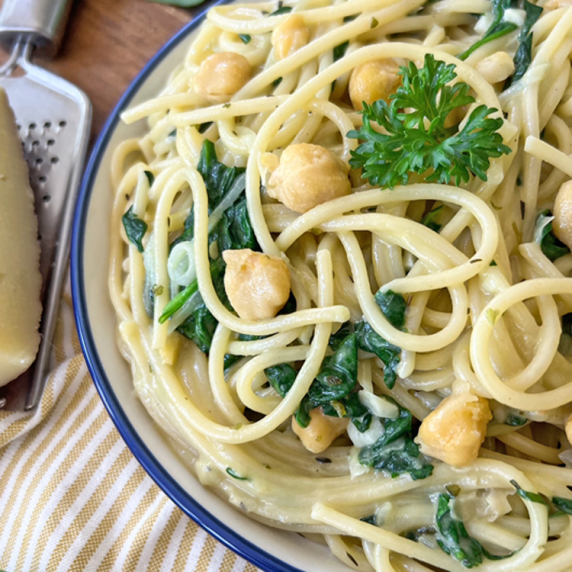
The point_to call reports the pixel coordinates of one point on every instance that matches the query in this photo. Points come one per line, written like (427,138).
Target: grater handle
(39,22)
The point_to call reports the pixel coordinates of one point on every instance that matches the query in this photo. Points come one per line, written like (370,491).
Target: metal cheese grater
(54,119)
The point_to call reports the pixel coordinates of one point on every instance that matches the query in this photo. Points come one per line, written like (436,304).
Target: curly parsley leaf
(415,139)
(544,235)
(135,228)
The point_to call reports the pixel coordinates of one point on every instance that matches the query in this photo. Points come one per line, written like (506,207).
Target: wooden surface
(108,42)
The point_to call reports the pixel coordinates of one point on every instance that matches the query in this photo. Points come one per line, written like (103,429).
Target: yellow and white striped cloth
(73,497)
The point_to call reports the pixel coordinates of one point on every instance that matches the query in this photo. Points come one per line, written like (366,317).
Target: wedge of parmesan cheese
(20,279)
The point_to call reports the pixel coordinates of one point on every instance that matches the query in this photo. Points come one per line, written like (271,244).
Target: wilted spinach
(395,451)
(430,220)
(393,307)
(545,237)
(135,228)
(454,539)
(523,55)
(498,27)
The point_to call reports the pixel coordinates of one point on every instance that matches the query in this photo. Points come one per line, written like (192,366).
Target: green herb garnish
(245,38)
(417,140)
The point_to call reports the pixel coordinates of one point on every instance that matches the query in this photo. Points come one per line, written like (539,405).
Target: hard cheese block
(20,279)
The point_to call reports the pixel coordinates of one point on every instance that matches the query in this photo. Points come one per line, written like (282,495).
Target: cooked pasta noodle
(436,313)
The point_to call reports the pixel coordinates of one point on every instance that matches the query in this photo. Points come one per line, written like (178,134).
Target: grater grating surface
(53,118)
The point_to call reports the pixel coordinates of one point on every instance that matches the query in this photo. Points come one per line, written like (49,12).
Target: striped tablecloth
(73,497)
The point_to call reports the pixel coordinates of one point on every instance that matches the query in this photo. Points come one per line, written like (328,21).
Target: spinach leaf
(245,38)
(393,307)
(544,235)
(281,9)
(453,537)
(431,218)
(394,429)
(395,450)
(528,495)
(234,230)
(340,51)
(565,505)
(515,420)
(204,126)
(370,341)
(302,414)
(497,29)
(455,541)
(338,374)
(523,55)
(201,324)
(230,360)
(217,176)
(401,456)
(281,377)
(135,228)
(150,176)
(344,331)
(218,181)
(567,324)
(350,406)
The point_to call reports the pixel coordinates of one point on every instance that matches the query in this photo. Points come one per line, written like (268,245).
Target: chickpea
(257,285)
(455,430)
(321,431)
(308,175)
(496,68)
(372,81)
(562,212)
(289,36)
(221,76)
(555,4)
(568,428)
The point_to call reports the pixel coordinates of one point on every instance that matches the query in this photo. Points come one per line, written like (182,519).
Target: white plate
(270,549)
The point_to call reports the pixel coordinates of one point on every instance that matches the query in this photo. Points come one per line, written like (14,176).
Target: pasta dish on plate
(341,269)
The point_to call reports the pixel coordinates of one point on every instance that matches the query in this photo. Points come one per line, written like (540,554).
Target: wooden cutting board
(108,42)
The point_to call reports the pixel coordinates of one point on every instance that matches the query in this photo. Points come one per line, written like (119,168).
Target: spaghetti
(409,402)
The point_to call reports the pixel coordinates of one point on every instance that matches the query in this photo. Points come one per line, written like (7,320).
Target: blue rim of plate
(148,461)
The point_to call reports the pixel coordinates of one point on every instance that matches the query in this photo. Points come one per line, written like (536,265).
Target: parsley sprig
(415,137)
